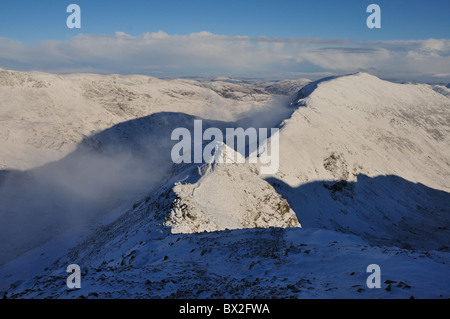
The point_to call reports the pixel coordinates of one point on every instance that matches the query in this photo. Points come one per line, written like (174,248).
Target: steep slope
(359,123)
(350,131)
(228,195)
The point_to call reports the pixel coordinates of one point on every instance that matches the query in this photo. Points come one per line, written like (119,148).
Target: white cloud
(205,53)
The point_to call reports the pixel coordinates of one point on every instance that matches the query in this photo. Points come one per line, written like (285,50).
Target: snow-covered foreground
(363,179)
(252,263)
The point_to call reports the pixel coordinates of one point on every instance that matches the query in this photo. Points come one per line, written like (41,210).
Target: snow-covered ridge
(363,88)
(228,196)
(369,157)
(363,163)
(369,126)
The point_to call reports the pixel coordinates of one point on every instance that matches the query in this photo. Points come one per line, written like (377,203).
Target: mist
(106,171)
(110,169)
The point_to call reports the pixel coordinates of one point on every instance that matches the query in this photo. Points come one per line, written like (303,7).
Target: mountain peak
(229,196)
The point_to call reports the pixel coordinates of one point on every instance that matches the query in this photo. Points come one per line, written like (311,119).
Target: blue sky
(32,20)
(285,38)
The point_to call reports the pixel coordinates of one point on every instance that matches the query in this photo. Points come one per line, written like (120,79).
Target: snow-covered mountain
(44,116)
(227,196)
(363,179)
(369,126)
(369,157)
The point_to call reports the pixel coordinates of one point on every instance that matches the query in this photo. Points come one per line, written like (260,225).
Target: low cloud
(205,53)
